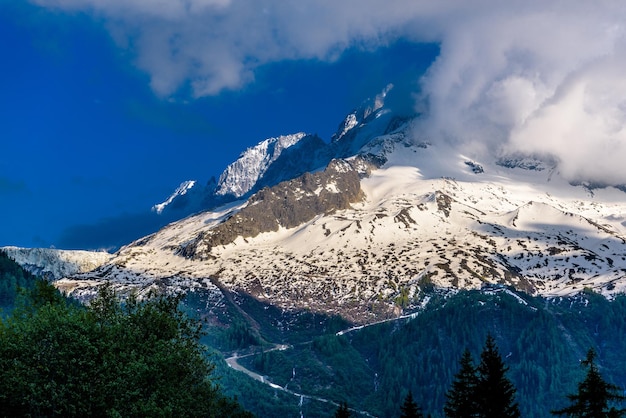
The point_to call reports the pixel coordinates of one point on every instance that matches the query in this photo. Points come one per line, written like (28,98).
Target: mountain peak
(282,158)
(361,113)
(241,176)
(180,191)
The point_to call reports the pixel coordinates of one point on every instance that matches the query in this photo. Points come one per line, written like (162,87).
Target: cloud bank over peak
(543,77)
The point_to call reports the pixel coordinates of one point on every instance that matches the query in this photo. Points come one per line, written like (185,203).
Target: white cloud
(583,124)
(536,75)
(217,44)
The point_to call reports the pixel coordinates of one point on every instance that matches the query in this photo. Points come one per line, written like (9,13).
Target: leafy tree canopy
(132,359)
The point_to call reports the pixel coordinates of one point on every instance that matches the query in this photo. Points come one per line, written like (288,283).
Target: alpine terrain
(357,270)
(360,226)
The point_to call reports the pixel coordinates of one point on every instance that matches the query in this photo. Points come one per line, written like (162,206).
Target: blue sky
(107,105)
(88,147)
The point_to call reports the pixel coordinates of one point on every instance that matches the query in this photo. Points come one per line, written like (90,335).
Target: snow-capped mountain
(360,115)
(277,159)
(392,214)
(180,191)
(241,176)
(265,164)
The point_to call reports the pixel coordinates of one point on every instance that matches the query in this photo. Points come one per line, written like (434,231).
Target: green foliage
(135,359)
(594,395)
(374,368)
(343,411)
(409,408)
(328,367)
(495,394)
(461,398)
(12,277)
(483,391)
(255,396)
(402,300)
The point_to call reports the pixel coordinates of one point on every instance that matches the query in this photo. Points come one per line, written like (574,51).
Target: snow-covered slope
(392,213)
(53,264)
(424,215)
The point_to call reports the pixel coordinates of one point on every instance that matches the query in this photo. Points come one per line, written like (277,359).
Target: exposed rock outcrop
(287,205)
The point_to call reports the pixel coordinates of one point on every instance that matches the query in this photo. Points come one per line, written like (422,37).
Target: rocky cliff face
(243,174)
(286,205)
(282,158)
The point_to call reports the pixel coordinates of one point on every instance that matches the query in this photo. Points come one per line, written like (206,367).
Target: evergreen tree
(495,394)
(410,409)
(461,398)
(12,278)
(343,411)
(594,395)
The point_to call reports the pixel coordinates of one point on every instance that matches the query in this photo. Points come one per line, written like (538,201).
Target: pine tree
(495,394)
(410,409)
(594,395)
(343,411)
(461,398)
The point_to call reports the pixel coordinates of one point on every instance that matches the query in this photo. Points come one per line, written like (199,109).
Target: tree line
(540,360)
(135,358)
(12,277)
(485,391)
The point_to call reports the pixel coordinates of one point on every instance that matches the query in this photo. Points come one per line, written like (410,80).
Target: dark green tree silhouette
(410,409)
(461,398)
(136,359)
(343,411)
(594,395)
(12,277)
(495,394)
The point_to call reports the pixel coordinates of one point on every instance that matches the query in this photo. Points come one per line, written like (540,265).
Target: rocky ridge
(286,205)
(281,158)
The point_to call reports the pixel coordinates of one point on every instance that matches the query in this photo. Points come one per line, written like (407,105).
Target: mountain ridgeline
(287,205)
(282,158)
(358,271)
(358,226)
